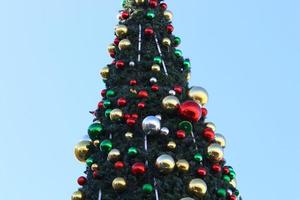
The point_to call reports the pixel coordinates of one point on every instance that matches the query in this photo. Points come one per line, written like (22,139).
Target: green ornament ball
(106,145)
(148,188)
(177,41)
(186,126)
(94,130)
(89,162)
(157,60)
(106,104)
(132,151)
(178,53)
(198,157)
(221,192)
(187,64)
(150,14)
(107,113)
(110,93)
(226,178)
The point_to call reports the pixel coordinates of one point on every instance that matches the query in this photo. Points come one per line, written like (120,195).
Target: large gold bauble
(111,48)
(165,163)
(105,73)
(121,30)
(233,182)
(187,198)
(168,15)
(183,165)
(215,152)
(77,196)
(124,44)
(119,184)
(211,125)
(114,155)
(198,187)
(155,68)
(81,150)
(170,103)
(116,114)
(171,145)
(220,139)
(166,42)
(198,94)
(139,2)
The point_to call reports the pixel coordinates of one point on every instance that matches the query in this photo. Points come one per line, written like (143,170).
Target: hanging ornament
(121,30)
(106,104)
(81,150)
(215,152)
(150,15)
(155,68)
(94,167)
(96,143)
(122,102)
(119,184)
(186,126)
(106,145)
(166,42)
(128,135)
(153,3)
(198,157)
(147,188)
(158,117)
(178,89)
(94,130)
(157,60)
(153,80)
(114,155)
(221,192)
(204,112)
(139,2)
(133,82)
(187,64)
(177,41)
(198,94)
(110,93)
(220,139)
(151,125)
(125,15)
(164,131)
(180,134)
(78,195)
(131,121)
(111,48)
(190,110)
(172,92)
(165,163)
(116,114)
(171,145)
(198,187)
(163,6)
(168,15)
(143,94)
(211,125)
(116,41)
(154,88)
(170,28)
(141,105)
(188,76)
(216,168)
(120,64)
(233,183)
(89,162)
(201,172)
(149,32)
(124,44)
(132,151)
(81,180)
(170,103)
(138,168)
(178,53)
(107,113)
(119,165)
(103,92)
(209,134)
(183,165)
(105,73)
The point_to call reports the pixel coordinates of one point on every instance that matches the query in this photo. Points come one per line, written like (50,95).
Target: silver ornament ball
(151,125)
(131,64)
(164,131)
(172,92)
(153,80)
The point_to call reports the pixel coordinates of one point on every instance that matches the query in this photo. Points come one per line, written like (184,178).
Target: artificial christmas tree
(150,139)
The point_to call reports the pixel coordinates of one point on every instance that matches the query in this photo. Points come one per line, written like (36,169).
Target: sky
(245,53)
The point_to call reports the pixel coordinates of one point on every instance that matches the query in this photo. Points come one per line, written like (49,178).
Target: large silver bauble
(151,125)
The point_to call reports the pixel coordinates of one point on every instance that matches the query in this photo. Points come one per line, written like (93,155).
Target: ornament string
(194,140)
(100,195)
(156,191)
(140,42)
(160,53)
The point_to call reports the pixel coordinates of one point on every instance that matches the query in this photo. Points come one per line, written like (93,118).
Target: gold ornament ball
(124,44)
(233,182)
(78,195)
(139,2)
(220,139)
(96,143)
(168,15)
(171,145)
(128,135)
(198,187)
(166,42)
(188,76)
(155,68)
(111,48)
(165,163)
(121,30)
(170,103)
(183,165)
(114,155)
(119,184)
(198,94)
(116,114)
(94,167)
(211,125)
(81,150)
(215,152)
(105,73)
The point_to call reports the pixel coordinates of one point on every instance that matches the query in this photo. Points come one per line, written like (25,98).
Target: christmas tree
(150,138)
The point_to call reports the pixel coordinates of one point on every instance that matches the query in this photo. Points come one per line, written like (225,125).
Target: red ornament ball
(204,112)
(116,41)
(163,6)
(81,180)
(100,104)
(226,170)
(122,101)
(190,110)
(170,28)
(119,165)
(103,93)
(138,168)
(127,116)
(132,82)
(178,89)
(120,64)
(180,134)
(135,116)
(153,4)
(112,54)
(143,94)
(216,168)
(124,15)
(149,32)
(201,171)
(154,88)
(232,197)
(96,175)
(141,105)
(131,121)
(209,134)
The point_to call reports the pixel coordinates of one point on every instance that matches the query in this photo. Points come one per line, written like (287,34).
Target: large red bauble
(190,110)
(120,64)
(209,134)
(81,180)
(125,15)
(122,101)
(170,28)
(138,168)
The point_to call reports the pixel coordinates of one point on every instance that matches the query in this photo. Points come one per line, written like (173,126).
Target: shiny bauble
(139,2)
(114,155)
(122,101)
(151,125)
(149,32)
(119,165)
(170,28)
(199,95)
(153,80)
(211,125)
(77,196)
(198,187)
(148,188)
(166,42)
(168,15)
(121,30)
(190,110)
(104,73)
(94,130)
(81,180)
(124,44)
(233,182)
(138,168)
(111,48)
(187,198)
(106,145)
(171,145)
(172,92)
(165,163)
(116,114)
(119,184)
(158,117)
(183,165)
(215,152)
(164,131)
(94,167)
(188,76)
(81,150)
(131,64)
(220,139)
(170,103)
(155,68)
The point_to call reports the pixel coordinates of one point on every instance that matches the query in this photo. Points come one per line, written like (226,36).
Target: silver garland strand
(194,140)
(156,191)
(100,195)
(160,53)
(140,42)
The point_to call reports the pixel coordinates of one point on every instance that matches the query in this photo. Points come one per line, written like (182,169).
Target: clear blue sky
(245,53)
